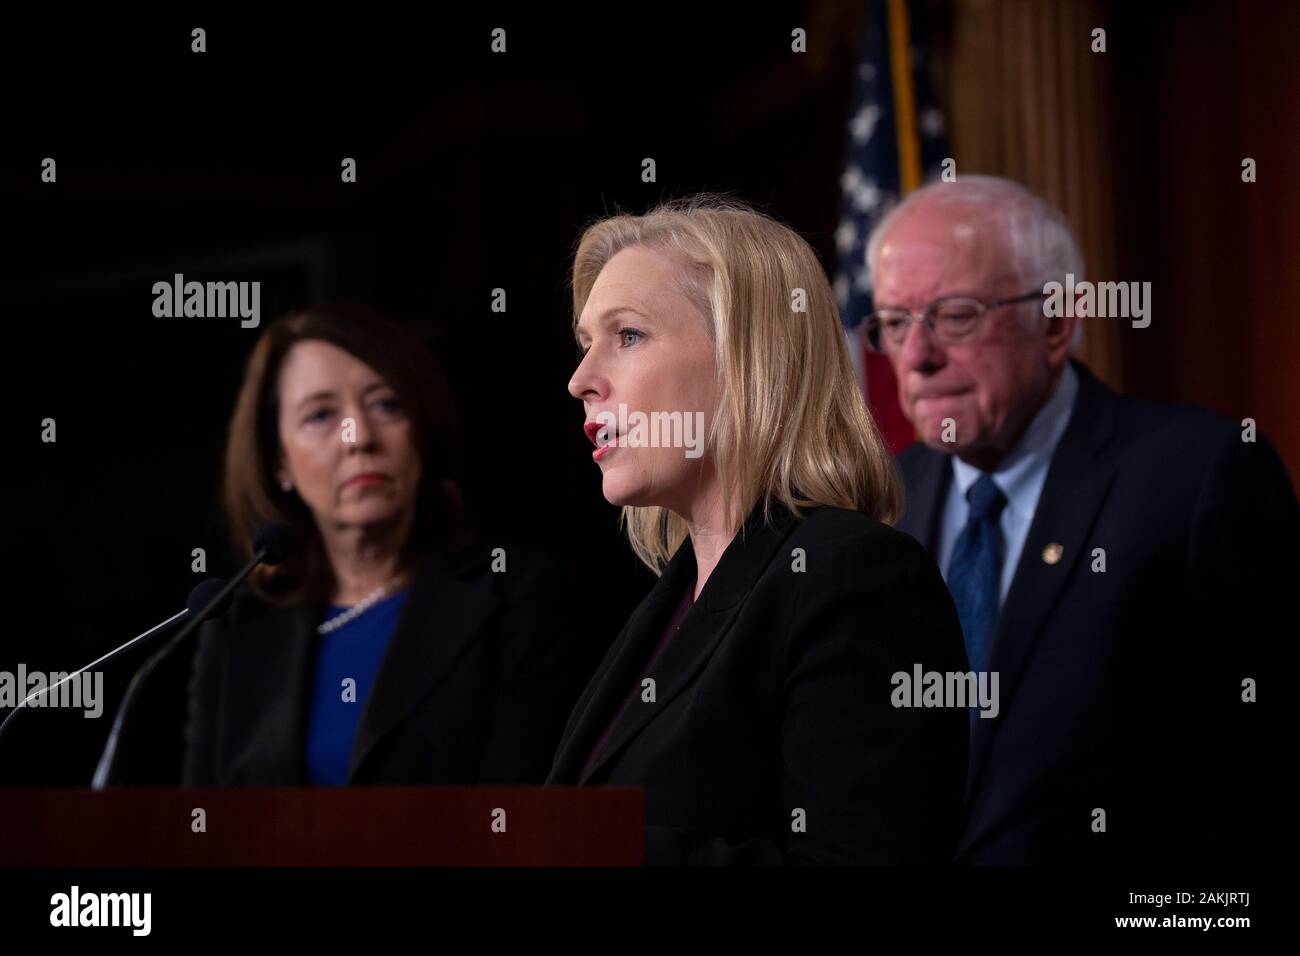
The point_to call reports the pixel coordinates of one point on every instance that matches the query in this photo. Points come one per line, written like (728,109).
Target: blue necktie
(975,571)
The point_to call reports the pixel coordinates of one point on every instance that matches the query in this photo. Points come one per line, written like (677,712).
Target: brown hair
(251,493)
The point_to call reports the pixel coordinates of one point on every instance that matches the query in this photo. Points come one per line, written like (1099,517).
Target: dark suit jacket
(775,697)
(1122,689)
(474,686)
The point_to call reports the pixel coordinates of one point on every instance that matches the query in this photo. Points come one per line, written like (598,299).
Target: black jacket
(1122,688)
(473,688)
(773,703)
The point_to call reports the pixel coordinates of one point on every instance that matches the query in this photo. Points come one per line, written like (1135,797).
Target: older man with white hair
(1115,562)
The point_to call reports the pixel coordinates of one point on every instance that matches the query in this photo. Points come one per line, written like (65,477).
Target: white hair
(1042,246)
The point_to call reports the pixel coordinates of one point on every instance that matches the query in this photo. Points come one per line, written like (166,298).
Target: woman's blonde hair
(792,425)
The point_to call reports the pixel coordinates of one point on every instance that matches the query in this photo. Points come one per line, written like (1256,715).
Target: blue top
(354,651)
(1020,477)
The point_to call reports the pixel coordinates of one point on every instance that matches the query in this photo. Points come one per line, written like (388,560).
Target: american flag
(886,116)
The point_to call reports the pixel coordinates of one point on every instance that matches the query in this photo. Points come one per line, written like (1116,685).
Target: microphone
(273,543)
(199,597)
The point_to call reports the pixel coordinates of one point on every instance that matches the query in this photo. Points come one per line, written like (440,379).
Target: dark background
(475,171)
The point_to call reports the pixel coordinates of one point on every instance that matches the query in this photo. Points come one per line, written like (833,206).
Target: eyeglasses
(951,320)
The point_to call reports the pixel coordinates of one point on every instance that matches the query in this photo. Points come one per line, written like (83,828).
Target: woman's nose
(587,383)
(363,434)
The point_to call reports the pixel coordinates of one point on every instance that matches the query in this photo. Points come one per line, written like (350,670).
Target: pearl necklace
(352,613)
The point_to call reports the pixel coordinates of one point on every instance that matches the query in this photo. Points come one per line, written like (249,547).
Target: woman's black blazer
(772,737)
(473,688)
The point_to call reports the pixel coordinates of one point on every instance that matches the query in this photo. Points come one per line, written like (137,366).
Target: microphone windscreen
(204,592)
(278,539)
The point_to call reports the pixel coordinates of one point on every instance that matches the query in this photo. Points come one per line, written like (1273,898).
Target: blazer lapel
(929,479)
(707,622)
(622,665)
(278,646)
(1077,482)
(442,616)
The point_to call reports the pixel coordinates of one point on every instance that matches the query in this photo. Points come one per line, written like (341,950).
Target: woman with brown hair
(389,648)
(752,693)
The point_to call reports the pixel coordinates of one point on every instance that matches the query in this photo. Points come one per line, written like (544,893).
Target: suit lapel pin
(1052,553)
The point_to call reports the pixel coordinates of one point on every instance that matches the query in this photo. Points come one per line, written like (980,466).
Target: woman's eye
(624,333)
(318,415)
(390,406)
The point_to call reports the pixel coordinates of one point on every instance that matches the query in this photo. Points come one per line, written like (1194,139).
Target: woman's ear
(282,476)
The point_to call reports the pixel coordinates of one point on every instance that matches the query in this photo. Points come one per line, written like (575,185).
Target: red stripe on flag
(882,400)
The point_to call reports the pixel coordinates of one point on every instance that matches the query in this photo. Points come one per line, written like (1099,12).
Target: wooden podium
(323,826)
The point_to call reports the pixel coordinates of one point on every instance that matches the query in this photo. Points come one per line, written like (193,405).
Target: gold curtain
(1029,100)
